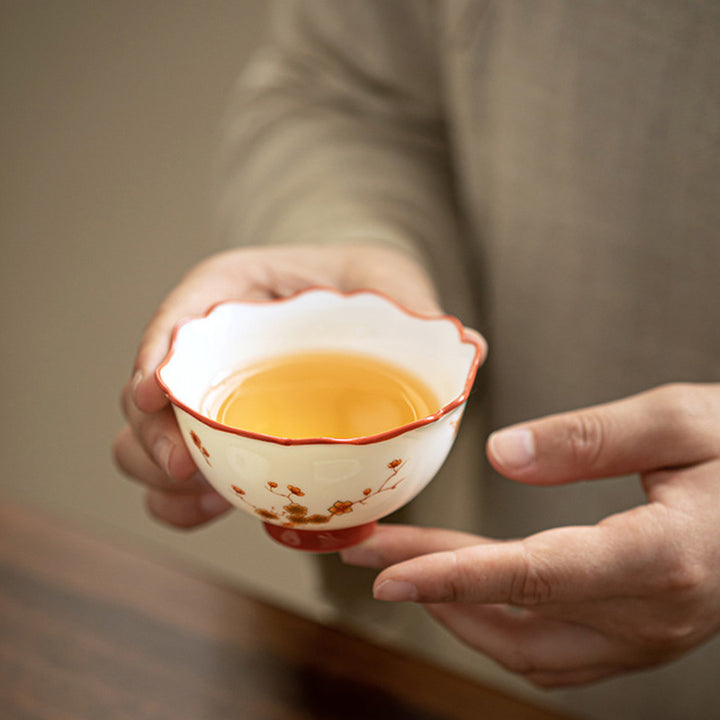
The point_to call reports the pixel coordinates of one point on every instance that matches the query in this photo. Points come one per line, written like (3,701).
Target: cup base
(319,541)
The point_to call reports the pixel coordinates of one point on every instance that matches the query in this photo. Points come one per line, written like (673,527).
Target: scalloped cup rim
(466,336)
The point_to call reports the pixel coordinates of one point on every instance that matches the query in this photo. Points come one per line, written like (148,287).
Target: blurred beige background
(110,116)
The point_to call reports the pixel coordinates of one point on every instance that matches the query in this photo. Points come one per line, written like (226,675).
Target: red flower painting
(197,442)
(295,514)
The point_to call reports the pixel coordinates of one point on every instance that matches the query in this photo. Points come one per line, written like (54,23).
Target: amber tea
(322,394)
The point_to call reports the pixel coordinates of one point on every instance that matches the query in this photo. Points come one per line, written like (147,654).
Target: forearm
(336,134)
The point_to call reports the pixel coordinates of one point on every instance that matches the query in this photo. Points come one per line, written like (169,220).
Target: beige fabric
(557,166)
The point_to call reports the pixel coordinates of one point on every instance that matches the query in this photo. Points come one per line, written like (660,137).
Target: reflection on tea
(328,394)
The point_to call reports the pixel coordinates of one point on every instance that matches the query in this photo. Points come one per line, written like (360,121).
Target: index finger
(154,345)
(562,565)
(202,288)
(393,543)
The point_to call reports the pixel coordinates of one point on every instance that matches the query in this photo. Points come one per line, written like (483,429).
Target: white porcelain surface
(319,484)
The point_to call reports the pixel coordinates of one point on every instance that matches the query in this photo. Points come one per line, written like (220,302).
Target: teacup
(319,494)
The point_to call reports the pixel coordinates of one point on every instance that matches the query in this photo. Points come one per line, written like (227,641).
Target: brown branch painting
(294,513)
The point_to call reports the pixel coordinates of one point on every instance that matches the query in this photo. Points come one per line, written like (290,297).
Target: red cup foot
(319,541)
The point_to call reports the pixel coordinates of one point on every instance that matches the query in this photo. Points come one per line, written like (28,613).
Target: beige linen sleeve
(336,133)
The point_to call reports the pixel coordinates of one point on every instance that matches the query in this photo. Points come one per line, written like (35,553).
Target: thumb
(664,427)
(204,286)
(146,392)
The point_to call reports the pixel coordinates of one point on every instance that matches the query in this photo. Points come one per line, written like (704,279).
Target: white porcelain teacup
(319,494)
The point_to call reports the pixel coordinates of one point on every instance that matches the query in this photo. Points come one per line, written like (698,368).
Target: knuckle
(531,583)
(120,449)
(149,430)
(681,570)
(684,575)
(688,407)
(681,635)
(125,399)
(665,637)
(457,581)
(117,451)
(676,628)
(586,437)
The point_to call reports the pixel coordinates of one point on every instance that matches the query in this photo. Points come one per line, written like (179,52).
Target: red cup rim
(466,335)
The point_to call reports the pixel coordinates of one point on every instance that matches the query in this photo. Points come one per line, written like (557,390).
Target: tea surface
(328,394)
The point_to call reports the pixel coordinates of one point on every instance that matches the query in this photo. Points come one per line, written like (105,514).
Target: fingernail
(136,380)
(161,452)
(514,448)
(361,556)
(396,591)
(213,504)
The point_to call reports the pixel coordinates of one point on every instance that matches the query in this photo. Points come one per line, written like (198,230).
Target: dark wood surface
(93,630)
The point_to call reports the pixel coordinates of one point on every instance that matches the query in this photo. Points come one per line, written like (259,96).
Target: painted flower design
(197,442)
(295,510)
(340,507)
(295,514)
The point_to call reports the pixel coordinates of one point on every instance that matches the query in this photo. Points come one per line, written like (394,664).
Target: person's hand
(150,448)
(573,605)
